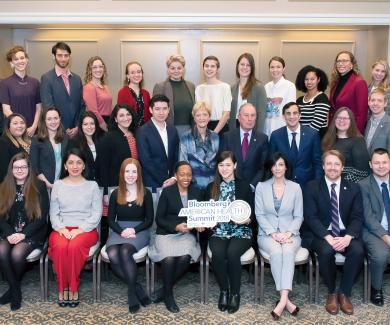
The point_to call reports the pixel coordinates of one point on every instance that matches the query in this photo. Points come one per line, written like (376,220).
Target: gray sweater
(75,205)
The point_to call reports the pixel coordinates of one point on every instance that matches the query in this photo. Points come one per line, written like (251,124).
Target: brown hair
(126,82)
(333,152)
(277,59)
(43,134)
(9,135)
(30,190)
(252,81)
(330,136)
(122,183)
(88,70)
(211,58)
(380,91)
(215,189)
(335,76)
(12,52)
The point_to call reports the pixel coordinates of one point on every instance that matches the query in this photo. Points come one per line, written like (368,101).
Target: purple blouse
(22,95)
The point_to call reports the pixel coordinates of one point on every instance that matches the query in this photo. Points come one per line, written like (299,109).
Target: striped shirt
(314,113)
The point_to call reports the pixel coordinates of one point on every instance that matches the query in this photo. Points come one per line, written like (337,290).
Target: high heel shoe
(223,300)
(142,296)
(170,303)
(234,303)
(275,316)
(295,311)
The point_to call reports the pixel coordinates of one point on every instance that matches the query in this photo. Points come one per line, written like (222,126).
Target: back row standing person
(279,92)
(19,93)
(215,93)
(96,94)
(380,79)
(180,92)
(247,89)
(133,95)
(63,89)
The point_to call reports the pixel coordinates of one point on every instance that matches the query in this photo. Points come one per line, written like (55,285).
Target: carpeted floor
(113,308)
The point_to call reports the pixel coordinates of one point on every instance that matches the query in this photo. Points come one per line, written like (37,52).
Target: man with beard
(63,89)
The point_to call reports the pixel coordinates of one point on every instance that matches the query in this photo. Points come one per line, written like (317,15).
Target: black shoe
(170,303)
(74,302)
(234,303)
(16,299)
(142,296)
(158,296)
(376,297)
(133,309)
(6,297)
(223,300)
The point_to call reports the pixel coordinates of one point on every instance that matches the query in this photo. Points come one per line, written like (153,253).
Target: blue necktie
(386,203)
(294,147)
(335,229)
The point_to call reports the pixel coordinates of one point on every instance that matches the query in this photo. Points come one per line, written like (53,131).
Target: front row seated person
(24,206)
(174,245)
(229,240)
(376,230)
(279,213)
(75,212)
(333,212)
(130,216)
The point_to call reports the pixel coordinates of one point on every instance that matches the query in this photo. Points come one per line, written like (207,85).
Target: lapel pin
(345,188)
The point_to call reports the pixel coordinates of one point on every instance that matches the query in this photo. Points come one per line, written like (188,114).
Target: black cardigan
(7,151)
(169,206)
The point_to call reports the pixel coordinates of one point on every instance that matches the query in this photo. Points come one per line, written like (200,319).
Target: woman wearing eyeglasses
(348,89)
(344,136)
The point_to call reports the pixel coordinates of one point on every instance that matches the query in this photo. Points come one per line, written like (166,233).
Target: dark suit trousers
(379,254)
(354,256)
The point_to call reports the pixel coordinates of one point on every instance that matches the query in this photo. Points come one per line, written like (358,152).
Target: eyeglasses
(20,168)
(342,61)
(342,118)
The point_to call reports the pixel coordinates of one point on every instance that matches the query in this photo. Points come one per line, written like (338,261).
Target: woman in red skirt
(75,211)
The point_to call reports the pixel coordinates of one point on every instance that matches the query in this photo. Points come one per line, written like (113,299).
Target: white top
(218,96)
(92,147)
(297,136)
(242,132)
(337,190)
(278,95)
(240,101)
(163,134)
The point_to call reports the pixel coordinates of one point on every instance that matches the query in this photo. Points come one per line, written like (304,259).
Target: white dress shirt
(297,136)
(337,189)
(163,134)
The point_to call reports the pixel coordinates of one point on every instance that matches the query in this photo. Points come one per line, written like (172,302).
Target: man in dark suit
(158,146)
(249,146)
(301,144)
(63,89)
(377,133)
(376,230)
(333,212)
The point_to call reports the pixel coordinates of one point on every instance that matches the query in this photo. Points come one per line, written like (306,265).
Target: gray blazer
(290,215)
(381,138)
(373,207)
(42,157)
(165,88)
(257,97)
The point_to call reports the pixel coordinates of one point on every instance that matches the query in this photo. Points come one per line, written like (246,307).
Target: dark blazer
(36,230)
(308,164)
(373,207)
(353,95)
(54,94)
(42,157)
(92,171)
(252,168)
(156,165)
(381,138)
(7,151)
(113,149)
(165,88)
(257,97)
(169,206)
(317,210)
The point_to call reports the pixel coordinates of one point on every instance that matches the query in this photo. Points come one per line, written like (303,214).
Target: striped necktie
(335,212)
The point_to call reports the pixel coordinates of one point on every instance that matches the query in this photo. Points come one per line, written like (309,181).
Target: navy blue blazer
(252,168)
(317,210)
(156,165)
(308,164)
(54,94)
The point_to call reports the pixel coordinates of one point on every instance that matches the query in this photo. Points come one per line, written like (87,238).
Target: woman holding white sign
(279,213)
(174,245)
(229,240)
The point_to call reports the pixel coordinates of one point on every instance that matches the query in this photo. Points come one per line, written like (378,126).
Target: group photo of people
(83,169)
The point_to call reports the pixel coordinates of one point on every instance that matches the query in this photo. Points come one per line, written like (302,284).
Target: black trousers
(354,256)
(226,261)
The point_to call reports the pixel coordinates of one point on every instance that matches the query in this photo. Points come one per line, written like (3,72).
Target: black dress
(7,151)
(18,222)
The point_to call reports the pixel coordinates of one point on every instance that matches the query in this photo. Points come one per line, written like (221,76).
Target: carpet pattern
(114,310)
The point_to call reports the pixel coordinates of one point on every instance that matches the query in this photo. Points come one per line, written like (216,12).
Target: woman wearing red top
(133,94)
(348,89)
